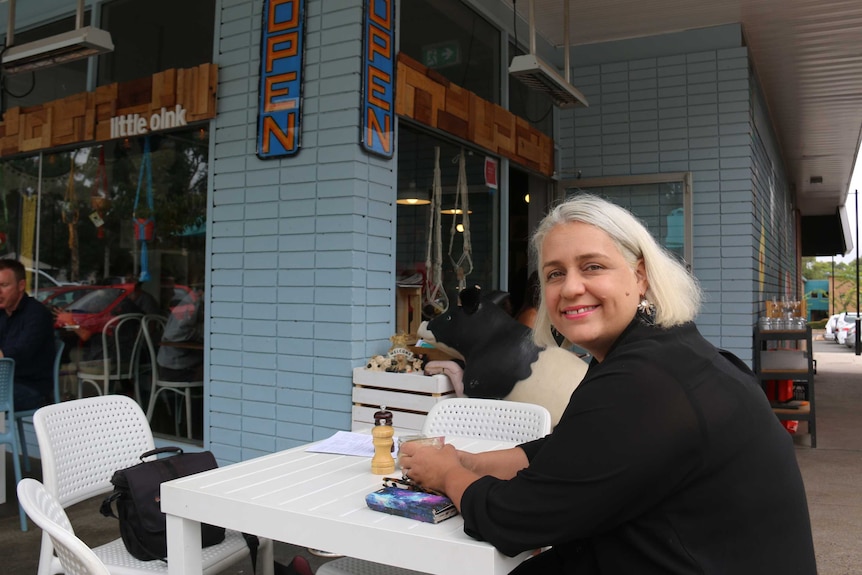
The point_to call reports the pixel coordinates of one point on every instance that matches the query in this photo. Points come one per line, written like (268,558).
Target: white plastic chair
(83,442)
(488,419)
(118,358)
(75,557)
(462,417)
(153,327)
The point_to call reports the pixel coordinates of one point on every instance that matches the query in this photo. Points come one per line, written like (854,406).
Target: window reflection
(452,39)
(155,35)
(416,156)
(660,206)
(96,300)
(68,214)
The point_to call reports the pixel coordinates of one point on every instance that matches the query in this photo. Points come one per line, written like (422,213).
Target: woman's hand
(468,461)
(439,469)
(427,465)
(451,471)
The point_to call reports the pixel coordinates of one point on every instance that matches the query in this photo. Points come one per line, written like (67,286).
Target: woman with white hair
(667,459)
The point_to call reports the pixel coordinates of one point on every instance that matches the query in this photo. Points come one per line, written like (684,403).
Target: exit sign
(441,55)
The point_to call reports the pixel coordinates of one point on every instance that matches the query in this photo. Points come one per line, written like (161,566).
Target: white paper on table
(346,443)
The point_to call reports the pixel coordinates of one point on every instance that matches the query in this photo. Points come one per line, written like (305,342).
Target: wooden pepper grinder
(382,463)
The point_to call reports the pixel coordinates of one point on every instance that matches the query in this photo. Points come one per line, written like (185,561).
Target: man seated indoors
(144,301)
(27,336)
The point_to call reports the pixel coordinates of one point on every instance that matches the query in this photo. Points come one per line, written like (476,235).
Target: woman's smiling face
(591,292)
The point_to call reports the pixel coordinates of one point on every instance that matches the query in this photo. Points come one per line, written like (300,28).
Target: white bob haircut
(673,291)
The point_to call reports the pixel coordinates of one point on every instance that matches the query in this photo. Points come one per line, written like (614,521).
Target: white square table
(317,500)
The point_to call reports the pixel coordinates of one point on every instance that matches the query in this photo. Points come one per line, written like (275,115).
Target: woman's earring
(646,311)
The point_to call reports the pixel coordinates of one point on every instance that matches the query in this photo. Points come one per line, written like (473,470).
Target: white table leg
(184,546)
(265,560)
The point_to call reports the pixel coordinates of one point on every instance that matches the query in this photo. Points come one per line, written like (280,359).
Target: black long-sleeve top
(27,336)
(668,459)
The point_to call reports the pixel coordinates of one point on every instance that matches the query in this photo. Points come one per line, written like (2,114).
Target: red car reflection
(61,296)
(88,315)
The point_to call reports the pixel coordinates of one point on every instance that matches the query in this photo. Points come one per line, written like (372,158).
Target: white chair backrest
(46,512)
(153,328)
(83,442)
(59,346)
(116,335)
(488,419)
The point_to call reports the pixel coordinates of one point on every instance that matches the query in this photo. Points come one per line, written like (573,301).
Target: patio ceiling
(807,54)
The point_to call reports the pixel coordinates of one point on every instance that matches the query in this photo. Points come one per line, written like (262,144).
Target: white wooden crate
(408,396)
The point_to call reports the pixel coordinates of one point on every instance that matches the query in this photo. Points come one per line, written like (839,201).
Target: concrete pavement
(833,471)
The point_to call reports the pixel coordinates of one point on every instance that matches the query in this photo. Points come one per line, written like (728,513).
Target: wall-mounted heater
(82,42)
(539,75)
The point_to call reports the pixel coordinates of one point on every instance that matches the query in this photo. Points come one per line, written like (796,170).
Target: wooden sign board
(428,98)
(88,117)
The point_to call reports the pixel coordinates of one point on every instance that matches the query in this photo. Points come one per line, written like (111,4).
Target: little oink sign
(138,125)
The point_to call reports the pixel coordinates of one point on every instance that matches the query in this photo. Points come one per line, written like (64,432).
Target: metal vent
(64,47)
(540,76)
(82,42)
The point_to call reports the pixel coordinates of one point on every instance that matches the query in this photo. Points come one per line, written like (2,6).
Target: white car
(47,280)
(845,320)
(850,338)
(831,328)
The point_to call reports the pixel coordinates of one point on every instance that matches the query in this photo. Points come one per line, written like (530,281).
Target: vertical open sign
(278,123)
(377,123)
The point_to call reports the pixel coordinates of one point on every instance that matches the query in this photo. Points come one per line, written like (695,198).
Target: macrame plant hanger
(28,228)
(99,199)
(434,295)
(145,226)
(464,264)
(70,218)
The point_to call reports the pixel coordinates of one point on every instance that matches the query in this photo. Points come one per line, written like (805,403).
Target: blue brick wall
(302,247)
(687,102)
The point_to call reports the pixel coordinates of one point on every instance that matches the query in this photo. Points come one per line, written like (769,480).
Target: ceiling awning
(826,235)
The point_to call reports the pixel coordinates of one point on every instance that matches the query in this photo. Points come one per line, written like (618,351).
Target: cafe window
(155,35)
(662,202)
(454,41)
(417,153)
(69,216)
